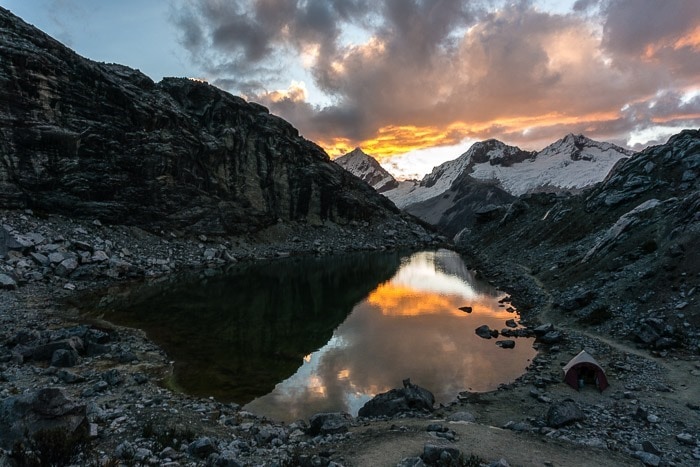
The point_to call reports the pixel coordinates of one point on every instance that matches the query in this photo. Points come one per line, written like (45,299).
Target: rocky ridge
(618,257)
(103,141)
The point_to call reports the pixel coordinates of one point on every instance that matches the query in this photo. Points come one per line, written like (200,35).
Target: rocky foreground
(102,387)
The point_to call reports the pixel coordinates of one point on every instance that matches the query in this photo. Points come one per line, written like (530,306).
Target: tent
(583,369)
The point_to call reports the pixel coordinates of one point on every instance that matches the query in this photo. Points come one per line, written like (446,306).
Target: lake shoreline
(133,419)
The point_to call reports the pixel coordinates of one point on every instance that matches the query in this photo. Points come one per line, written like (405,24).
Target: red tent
(583,369)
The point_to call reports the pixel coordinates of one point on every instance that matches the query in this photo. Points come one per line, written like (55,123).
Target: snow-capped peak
(364,166)
(572,163)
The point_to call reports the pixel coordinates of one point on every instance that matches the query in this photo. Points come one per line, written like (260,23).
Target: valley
(114,187)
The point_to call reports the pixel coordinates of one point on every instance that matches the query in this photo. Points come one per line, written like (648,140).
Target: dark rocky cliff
(104,141)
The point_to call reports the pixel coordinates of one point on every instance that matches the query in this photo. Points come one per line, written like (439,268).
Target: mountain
(103,141)
(622,256)
(492,174)
(571,164)
(368,169)
(441,179)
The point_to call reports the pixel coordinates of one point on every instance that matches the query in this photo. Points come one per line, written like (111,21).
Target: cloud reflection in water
(408,327)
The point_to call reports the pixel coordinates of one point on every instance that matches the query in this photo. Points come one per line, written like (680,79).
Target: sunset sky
(415,82)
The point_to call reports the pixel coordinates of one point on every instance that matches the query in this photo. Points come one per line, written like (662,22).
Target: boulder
(407,399)
(506,344)
(46,351)
(44,409)
(7,282)
(446,455)
(485,332)
(329,423)
(64,358)
(563,413)
(552,337)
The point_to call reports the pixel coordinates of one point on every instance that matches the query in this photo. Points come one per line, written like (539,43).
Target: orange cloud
(393,140)
(690,40)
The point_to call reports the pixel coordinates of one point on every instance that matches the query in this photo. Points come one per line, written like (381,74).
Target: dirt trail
(382,446)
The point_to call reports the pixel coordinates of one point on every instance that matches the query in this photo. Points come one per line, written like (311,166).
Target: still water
(295,337)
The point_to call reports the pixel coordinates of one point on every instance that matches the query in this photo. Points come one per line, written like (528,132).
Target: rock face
(623,255)
(103,141)
(368,169)
(492,174)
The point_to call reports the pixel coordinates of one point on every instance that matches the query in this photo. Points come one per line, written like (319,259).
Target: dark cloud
(453,69)
(632,26)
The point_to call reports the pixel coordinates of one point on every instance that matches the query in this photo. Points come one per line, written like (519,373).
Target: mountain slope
(103,141)
(368,169)
(622,256)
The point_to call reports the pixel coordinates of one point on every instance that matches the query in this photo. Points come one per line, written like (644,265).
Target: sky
(415,82)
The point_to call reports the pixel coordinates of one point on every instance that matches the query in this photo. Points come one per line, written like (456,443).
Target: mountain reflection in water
(410,326)
(298,336)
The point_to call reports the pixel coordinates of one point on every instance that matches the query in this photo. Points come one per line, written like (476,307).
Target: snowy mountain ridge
(572,163)
(368,169)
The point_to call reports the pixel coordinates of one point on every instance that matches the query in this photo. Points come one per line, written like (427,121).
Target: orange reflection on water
(401,300)
(409,327)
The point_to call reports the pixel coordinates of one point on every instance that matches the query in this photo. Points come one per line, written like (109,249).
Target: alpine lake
(292,337)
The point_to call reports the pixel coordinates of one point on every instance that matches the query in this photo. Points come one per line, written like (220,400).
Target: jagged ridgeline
(104,141)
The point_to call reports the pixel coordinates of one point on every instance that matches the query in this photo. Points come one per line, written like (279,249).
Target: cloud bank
(398,75)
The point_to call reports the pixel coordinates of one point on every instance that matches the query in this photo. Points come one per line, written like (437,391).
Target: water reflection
(411,327)
(299,336)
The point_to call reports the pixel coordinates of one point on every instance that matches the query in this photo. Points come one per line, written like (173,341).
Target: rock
(201,447)
(506,344)
(69,377)
(646,334)
(466,309)
(648,446)
(6,282)
(113,377)
(446,455)
(686,438)
(46,351)
(543,329)
(64,358)
(407,399)
(99,256)
(41,260)
(647,458)
(511,323)
(462,416)
(499,463)
(485,332)
(56,257)
(329,423)
(411,462)
(66,267)
(125,450)
(564,413)
(44,409)
(552,337)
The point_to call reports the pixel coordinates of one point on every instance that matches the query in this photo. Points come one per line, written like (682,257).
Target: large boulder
(410,398)
(563,413)
(329,423)
(41,410)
